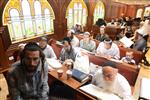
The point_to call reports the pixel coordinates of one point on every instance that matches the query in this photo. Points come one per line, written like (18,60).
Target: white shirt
(75,41)
(113,51)
(49,53)
(120,87)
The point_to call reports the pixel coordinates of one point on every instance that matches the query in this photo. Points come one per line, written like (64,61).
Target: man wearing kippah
(110,80)
(140,42)
(108,49)
(74,39)
(67,51)
(47,49)
(87,43)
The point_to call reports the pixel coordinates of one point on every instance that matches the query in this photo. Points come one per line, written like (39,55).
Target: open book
(99,93)
(145,88)
(126,41)
(53,63)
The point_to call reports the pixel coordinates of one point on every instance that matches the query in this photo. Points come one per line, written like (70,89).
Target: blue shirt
(28,86)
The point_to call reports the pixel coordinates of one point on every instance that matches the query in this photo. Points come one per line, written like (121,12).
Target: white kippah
(72,31)
(86,33)
(140,31)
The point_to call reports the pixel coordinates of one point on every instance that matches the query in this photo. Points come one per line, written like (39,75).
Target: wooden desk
(71,82)
(144,72)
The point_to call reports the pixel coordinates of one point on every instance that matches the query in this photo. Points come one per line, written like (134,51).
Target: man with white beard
(110,80)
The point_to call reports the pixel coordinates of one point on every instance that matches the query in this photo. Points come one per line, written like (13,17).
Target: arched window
(15,24)
(28,19)
(99,11)
(147,12)
(139,13)
(76,13)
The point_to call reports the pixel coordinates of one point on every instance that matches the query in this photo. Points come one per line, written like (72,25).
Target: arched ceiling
(135,2)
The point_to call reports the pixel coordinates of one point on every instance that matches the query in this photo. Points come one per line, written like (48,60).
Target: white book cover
(145,88)
(53,63)
(126,41)
(99,93)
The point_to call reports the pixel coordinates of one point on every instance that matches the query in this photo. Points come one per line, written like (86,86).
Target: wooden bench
(138,55)
(130,72)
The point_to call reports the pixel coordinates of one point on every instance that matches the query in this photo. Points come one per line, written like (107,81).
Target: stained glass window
(28,18)
(76,13)
(139,13)
(99,11)
(147,11)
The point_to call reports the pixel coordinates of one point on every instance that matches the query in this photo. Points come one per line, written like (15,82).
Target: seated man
(74,39)
(110,80)
(67,51)
(87,43)
(140,42)
(108,49)
(102,35)
(47,49)
(27,80)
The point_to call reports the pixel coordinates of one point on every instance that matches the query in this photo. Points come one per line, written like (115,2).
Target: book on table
(99,93)
(79,75)
(53,63)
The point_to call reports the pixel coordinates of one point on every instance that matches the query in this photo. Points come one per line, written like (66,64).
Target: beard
(108,85)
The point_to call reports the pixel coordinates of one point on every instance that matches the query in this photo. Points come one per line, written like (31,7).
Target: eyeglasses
(108,75)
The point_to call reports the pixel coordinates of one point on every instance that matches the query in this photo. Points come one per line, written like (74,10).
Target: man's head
(43,42)
(102,30)
(107,43)
(109,71)
(70,33)
(86,36)
(67,43)
(31,56)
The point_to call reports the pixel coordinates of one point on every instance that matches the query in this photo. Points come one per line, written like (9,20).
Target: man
(47,49)
(110,80)
(27,80)
(108,49)
(102,35)
(67,51)
(87,43)
(74,39)
(140,42)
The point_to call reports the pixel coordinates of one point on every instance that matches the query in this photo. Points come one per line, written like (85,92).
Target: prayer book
(53,63)
(79,75)
(99,93)
(126,41)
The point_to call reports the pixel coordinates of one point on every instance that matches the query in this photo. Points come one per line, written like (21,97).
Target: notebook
(79,75)
(99,93)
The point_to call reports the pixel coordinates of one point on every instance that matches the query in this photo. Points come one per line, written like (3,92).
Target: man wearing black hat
(67,51)
(110,80)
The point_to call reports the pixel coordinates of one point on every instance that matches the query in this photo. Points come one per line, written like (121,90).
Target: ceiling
(135,2)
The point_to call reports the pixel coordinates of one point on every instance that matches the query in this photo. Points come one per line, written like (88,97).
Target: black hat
(67,39)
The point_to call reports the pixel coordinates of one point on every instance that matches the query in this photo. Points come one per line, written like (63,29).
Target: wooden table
(71,82)
(144,72)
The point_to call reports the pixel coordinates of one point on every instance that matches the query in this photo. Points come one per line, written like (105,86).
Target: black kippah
(109,63)
(67,39)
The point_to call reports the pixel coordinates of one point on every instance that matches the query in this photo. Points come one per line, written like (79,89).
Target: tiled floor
(4,88)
